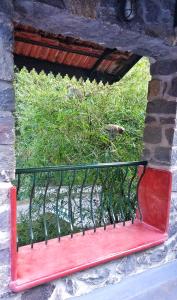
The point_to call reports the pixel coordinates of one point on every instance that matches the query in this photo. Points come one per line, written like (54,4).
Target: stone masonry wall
(160,150)
(7,164)
(160,137)
(160,134)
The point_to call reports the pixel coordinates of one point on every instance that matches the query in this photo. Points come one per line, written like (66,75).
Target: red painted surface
(154,197)
(43,263)
(58,259)
(13,233)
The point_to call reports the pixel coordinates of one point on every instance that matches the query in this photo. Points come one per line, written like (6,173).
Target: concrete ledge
(155,284)
(28,264)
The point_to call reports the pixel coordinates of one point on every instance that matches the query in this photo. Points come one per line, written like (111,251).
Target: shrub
(63,121)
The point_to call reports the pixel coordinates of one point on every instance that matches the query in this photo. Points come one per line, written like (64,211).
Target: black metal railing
(57,201)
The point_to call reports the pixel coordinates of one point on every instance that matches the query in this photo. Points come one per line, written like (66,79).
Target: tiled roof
(66,55)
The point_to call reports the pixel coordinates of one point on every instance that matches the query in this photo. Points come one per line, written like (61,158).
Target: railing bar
(129,191)
(101,200)
(137,190)
(30,210)
(44,210)
(110,200)
(80,200)
(107,205)
(81,167)
(18,183)
(17,242)
(123,194)
(70,213)
(18,188)
(57,205)
(91,199)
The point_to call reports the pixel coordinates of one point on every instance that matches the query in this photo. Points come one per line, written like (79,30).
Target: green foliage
(23,228)
(62,121)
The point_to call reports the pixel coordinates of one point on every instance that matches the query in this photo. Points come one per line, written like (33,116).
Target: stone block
(164,67)
(4,257)
(172,229)
(7,96)
(4,282)
(6,7)
(163,155)
(7,65)
(58,3)
(153,8)
(154,88)
(95,276)
(4,193)
(168,120)
(158,255)
(4,217)
(71,286)
(42,292)
(146,154)
(7,162)
(150,120)
(173,89)
(143,260)
(24,6)
(7,135)
(161,106)
(127,265)
(171,136)
(4,240)
(6,33)
(6,48)
(174,184)
(152,134)
(174,157)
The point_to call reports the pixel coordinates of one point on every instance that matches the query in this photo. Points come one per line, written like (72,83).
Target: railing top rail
(79,167)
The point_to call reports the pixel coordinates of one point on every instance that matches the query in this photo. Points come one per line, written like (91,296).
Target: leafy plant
(63,121)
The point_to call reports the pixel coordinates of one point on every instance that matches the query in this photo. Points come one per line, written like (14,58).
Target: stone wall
(160,134)
(160,149)
(7,103)
(161,119)
(154,17)
(7,161)
(151,33)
